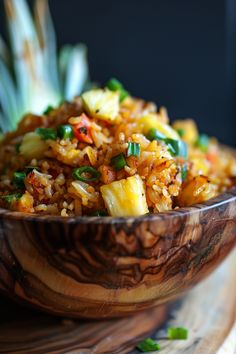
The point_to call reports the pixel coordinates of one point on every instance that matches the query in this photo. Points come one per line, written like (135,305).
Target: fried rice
(107,153)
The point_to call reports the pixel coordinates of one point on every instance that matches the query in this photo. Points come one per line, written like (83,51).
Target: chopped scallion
(133,149)
(118,162)
(181,132)
(148,345)
(184,173)
(116,85)
(203,142)
(9,198)
(48,110)
(154,134)
(65,131)
(86,174)
(18,179)
(177,147)
(177,333)
(47,133)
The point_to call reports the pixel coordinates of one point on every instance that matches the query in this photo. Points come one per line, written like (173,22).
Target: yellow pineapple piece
(125,197)
(33,146)
(151,120)
(102,104)
(188,130)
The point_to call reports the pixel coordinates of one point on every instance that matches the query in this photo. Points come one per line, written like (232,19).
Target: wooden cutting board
(208,311)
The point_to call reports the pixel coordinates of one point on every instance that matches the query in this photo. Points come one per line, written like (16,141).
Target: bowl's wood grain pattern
(104,267)
(24,331)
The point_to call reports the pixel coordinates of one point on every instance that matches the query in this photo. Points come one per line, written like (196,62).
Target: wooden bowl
(97,267)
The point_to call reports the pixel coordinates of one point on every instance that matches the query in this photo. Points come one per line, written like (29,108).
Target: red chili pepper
(82,130)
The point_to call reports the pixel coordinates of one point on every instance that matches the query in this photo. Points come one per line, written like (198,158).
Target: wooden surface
(105,267)
(208,311)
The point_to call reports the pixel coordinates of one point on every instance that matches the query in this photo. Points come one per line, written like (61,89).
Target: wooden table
(208,311)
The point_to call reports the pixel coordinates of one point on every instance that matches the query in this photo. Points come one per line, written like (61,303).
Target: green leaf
(148,345)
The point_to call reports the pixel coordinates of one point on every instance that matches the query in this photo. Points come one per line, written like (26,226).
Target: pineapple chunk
(151,120)
(102,104)
(189,130)
(32,146)
(125,197)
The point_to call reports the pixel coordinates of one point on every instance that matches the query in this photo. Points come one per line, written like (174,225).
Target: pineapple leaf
(38,81)
(47,40)
(74,70)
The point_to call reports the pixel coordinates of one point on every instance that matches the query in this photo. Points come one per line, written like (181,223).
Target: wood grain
(208,311)
(104,267)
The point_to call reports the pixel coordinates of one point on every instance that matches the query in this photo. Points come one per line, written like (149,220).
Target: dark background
(179,53)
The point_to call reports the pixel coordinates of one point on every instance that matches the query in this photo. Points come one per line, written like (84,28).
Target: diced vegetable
(181,132)
(118,162)
(177,147)
(184,173)
(32,146)
(177,333)
(154,134)
(11,197)
(18,179)
(133,149)
(82,130)
(203,142)
(151,120)
(47,133)
(148,345)
(48,110)
(86,174)
(65,131)
(115,85)
(125,197)
(102,104)
(187,130)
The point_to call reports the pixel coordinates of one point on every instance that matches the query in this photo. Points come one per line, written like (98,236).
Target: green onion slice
(48,110)
(47,133)
(65,131)
(203,142)
(11,197)
(115,85)
(184,173)
(18,179)
(133,149)
(148,345)
(181,132)
(86,174)
(154,134)
(177,147)
(180,333)
(118,162)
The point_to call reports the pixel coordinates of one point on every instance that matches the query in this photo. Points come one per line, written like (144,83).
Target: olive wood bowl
(96,267)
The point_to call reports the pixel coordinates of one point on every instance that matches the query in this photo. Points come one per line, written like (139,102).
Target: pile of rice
(154,179)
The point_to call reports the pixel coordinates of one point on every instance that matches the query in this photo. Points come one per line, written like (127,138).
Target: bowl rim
(221,199)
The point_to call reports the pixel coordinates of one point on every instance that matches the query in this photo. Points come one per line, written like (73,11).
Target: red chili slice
(82,130)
